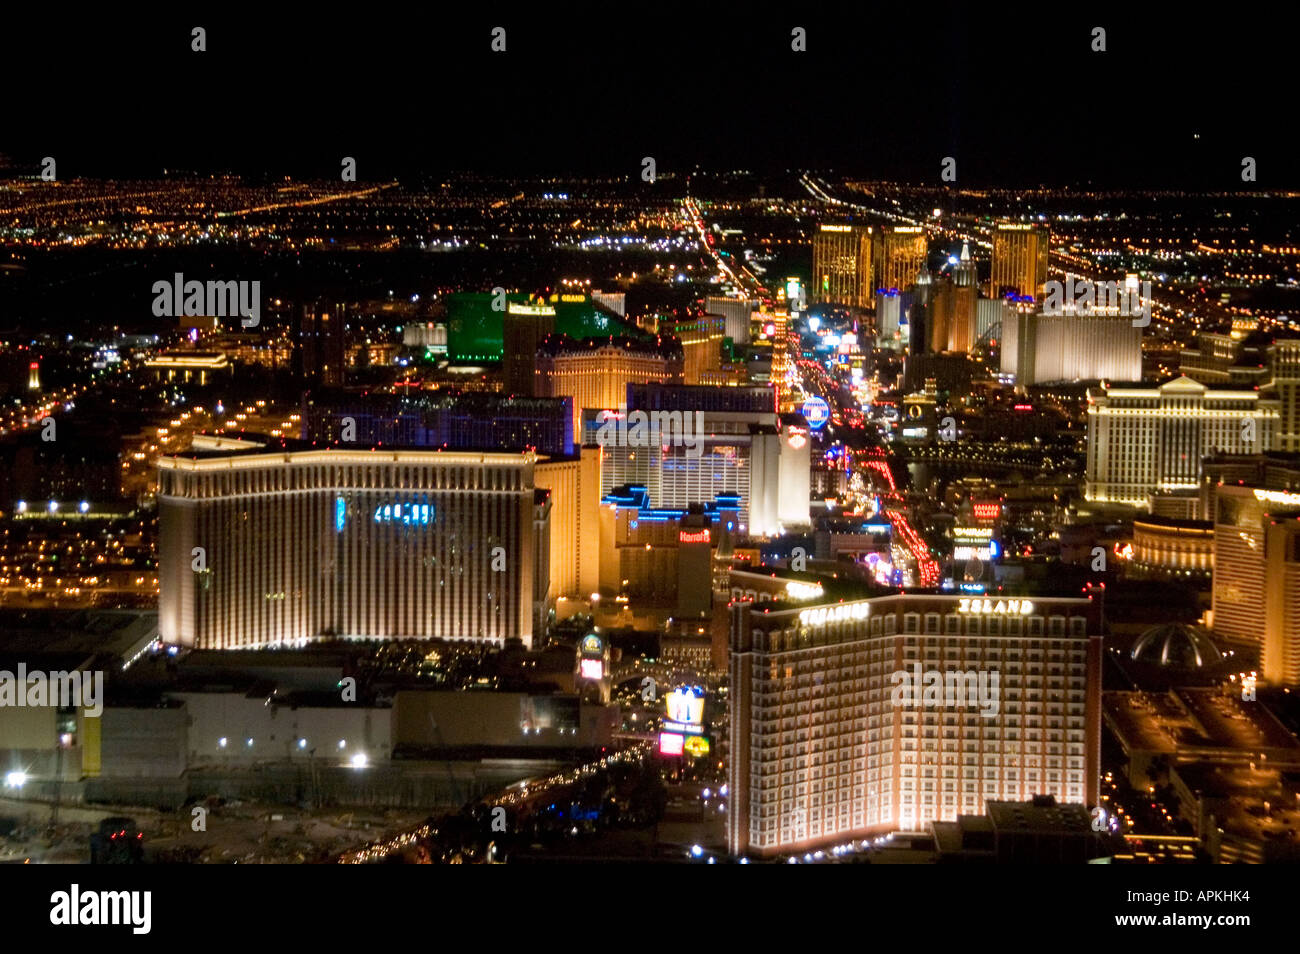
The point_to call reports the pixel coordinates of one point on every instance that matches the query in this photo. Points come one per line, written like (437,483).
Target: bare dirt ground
(235,833)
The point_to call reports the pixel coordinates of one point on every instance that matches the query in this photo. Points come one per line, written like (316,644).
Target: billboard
(670,743)
(682,729)
(685,705)
(591,657)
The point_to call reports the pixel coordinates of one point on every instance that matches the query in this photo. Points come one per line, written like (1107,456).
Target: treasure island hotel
(820,755)
(280,544)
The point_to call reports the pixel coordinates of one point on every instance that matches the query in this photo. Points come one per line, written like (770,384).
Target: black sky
(1013,92)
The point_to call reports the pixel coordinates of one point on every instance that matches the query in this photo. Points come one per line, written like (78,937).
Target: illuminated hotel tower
(701,340)
(1281,657)
(1257,574)
(595,372)
(953,324)
(1284,365)
(900,252)
(276,545)
(1143,440)
(1037,348)
(1020,254)
(823,750)
(919,315)
(34,376)
(524,328)
(842,266)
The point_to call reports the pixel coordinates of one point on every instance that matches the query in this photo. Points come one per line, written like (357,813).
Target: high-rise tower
(842,266)
(1019,259)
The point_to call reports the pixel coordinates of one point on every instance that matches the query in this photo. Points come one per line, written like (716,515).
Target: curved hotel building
(822,754)
(271,546)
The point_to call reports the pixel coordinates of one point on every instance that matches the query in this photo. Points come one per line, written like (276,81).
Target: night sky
(1014,93)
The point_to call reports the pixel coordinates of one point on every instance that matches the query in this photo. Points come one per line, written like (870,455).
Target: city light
(725,473)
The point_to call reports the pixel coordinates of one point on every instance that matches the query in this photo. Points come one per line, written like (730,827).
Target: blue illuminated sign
(340,514)
(408,513)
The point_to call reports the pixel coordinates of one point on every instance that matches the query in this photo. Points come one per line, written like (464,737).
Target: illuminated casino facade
(595,373)
(268,547)
(1147,440)
(1169,548)
(820,754)
(762,459)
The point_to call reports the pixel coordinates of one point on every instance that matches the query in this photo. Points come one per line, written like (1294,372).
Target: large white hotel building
(1039,348)
(820,754)
(263,546)
(1147,440)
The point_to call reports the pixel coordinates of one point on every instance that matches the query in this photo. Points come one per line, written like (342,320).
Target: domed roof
(1176,645)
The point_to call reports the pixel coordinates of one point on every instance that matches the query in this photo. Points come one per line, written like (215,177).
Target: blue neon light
(340,514)
(816,413)
(408,513)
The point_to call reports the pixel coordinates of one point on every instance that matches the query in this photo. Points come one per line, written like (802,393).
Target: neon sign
(1278,497)
(407,513)
(699,536)
(697,746)
(1000,608)
(670,743)
(834,614)
(803,591)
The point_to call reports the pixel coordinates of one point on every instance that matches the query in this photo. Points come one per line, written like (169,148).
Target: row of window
(382,475)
